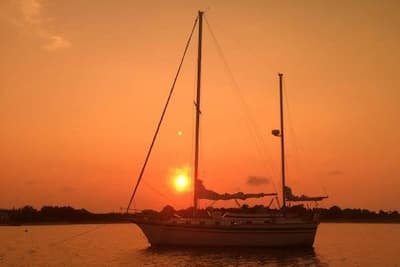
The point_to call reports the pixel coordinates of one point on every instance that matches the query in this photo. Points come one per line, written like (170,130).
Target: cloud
(31,182)
(257,180)
(31,11)
(66,189)
(27,17)
(56,42)
(335,173)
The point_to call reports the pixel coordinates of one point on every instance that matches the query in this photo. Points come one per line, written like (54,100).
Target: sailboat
(280,229)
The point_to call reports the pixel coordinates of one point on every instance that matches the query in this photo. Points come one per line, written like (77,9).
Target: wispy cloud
(31,182)
(56,42)
(66,189)
(28,18)
(257,180)
(335,173)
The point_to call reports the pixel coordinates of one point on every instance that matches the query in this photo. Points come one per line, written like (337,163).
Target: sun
(181,182)
(180,179)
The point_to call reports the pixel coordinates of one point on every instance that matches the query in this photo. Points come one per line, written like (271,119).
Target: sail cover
(291,197)
(203,193)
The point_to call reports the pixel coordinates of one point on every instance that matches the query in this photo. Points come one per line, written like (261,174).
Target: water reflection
(235,256)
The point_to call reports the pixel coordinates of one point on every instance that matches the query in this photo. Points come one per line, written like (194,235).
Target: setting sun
(180,178)
(181,182)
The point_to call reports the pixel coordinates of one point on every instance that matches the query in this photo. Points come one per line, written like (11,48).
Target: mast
(198,111)
(282,141)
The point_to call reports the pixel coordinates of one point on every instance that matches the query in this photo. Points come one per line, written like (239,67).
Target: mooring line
(78,235)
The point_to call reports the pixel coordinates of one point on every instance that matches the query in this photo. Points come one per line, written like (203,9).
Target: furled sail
(203,193)
(291,197)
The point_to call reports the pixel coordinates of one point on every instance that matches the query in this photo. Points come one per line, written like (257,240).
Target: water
(125,245)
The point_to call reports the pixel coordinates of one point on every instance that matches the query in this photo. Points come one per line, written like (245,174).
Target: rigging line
(251,125)
(160,193)
(289,118)
(79,234)
(325,191)
(162,115)
(297,148)
(192,126)
(193,122)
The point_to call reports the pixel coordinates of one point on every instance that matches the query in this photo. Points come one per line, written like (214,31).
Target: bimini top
(204,193)
(291,197)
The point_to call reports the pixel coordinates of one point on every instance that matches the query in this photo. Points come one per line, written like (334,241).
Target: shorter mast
(282,142)
(198,111)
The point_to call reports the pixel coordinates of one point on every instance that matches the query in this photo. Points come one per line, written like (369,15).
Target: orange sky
(82,85)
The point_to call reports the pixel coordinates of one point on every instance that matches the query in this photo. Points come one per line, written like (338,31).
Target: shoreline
(128,222)
(62,223)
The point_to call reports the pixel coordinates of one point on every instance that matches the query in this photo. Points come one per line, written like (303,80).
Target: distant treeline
(52,215)
(335,213)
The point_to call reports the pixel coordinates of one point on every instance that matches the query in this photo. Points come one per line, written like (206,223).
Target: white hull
(248,235)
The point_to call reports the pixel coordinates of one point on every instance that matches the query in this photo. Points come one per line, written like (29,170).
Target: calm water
(125,245)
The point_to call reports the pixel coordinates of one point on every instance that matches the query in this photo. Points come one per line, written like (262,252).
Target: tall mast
(282,135)
(198,111)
